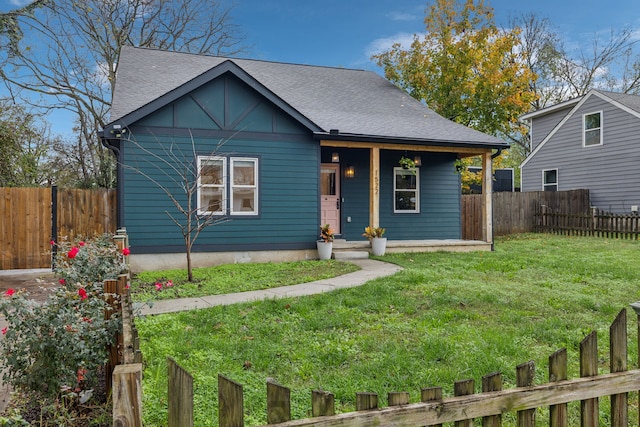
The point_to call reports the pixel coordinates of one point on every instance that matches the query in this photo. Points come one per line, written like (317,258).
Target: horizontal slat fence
(27,224)
(596,223)
(466,406)
(514,212)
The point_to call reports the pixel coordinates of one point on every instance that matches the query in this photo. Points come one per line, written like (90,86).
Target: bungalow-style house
(281,149)
(591,142)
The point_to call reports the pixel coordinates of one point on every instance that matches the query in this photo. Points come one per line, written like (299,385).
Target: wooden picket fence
(123,369)
(595,222)
(434,409)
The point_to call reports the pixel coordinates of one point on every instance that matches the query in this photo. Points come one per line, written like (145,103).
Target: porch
(343,249)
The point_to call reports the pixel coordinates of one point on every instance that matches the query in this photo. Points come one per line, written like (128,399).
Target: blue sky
(345,33)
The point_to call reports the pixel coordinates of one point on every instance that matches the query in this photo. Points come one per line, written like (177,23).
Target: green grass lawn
(446,317)
(230,278)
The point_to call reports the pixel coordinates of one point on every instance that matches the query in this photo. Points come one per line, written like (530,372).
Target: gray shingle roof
(628,100)
(356,102)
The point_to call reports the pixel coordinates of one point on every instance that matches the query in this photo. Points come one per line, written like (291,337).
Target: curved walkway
(369,269)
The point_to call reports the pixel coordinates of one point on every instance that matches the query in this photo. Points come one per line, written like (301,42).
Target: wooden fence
(514,212)
(124,367)
(32,217)
(593,223)
(461,409)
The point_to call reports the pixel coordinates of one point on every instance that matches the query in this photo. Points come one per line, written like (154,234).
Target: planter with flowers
(325,244)
(378,243)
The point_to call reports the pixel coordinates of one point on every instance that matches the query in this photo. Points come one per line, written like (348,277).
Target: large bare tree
(63,54)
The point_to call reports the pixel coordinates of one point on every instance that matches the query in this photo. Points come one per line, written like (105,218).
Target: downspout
(115,149)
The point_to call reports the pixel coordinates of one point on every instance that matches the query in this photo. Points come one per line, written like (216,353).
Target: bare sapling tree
(179,178)
(63,54)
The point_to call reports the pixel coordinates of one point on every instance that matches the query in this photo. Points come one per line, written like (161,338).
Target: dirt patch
(38,284)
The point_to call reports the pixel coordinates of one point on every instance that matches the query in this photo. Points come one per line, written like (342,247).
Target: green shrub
(59,345)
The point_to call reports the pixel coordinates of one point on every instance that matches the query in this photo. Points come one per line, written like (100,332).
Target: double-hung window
(592,129)
(406,190)
(227,185)
(550,180)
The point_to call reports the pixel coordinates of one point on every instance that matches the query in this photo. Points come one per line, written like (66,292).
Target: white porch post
(374,187)
(487,199)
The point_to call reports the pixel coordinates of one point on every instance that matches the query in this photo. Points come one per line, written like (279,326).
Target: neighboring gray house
(591,142)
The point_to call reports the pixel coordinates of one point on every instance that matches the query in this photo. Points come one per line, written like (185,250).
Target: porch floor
(451,245)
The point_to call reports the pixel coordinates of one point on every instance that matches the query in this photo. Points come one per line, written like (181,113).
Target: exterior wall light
(335,157)
(350,172)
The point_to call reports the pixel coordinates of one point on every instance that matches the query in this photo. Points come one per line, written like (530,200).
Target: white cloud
(20,3)
(385,43)
(403,16)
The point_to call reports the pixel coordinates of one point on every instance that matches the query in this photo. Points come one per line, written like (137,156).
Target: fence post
(180,391)
(618,356)
(110,289)
(492,382)
(398,398)
(558,372)
(127,395)
(593,221)
(589,368)
(463,388)
(525,373)
(322,403)
(636,308)
(366,401)
(431,394)
(278,403)
(230,403)
(54,224)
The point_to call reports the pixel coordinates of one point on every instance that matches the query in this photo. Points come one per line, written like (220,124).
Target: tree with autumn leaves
(466,69)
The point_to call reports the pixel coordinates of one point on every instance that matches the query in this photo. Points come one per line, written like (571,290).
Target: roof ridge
(232,58)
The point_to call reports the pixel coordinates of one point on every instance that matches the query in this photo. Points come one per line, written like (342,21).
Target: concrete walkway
(369,270)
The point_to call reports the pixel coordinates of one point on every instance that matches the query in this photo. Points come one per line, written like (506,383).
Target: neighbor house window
(592,125)
(406,191)
(550,180)
(227,185)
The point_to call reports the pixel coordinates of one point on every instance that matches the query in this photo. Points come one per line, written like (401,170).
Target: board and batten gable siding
(609,170)
(223,118)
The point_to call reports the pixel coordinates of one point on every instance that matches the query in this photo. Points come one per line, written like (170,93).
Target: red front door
(330,195)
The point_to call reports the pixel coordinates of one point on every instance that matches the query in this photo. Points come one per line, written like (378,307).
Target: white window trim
(557,184)
(416,171)
(223,208)
(253,160)
(584,130)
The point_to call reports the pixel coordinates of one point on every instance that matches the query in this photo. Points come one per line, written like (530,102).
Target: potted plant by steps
(325,244)
(378,243)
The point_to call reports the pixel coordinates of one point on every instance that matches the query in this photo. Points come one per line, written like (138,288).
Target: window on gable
(218,195)
(550,180)
(406,190)
(592,126)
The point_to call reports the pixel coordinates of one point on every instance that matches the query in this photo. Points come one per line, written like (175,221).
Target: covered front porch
(367,172)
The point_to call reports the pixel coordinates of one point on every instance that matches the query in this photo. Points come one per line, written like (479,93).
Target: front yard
(446,317)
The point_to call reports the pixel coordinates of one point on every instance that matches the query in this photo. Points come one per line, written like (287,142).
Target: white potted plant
(378,243)
(325,244)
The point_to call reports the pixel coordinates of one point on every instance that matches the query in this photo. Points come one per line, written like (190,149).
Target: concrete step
(346,255)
